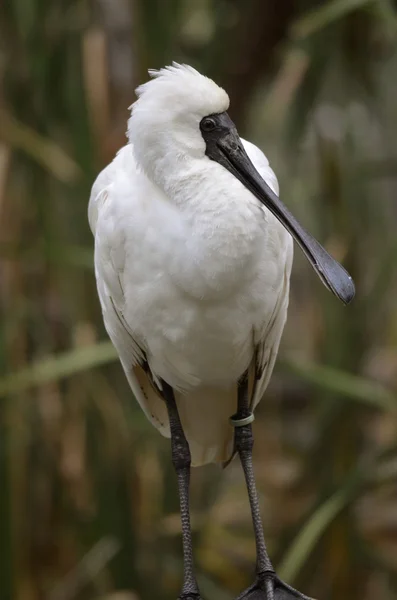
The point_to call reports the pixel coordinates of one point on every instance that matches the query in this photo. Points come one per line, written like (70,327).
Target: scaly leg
(267,585)
(181,460)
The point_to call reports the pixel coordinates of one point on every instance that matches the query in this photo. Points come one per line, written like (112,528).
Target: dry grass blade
(57,367)
(45,152)
(305,541)
(283,90)
(5,156)
(96,78)
(343,383)
(92,563)
(323,16)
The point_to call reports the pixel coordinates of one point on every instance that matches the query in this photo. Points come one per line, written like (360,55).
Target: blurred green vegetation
(88,504)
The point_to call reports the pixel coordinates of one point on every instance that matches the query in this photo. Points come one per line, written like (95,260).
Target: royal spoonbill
(193,254)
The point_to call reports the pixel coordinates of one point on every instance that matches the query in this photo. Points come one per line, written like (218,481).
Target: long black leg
(267,586)
(244,443)
(181,460)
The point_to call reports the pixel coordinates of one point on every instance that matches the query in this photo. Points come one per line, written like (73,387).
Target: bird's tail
(204,414)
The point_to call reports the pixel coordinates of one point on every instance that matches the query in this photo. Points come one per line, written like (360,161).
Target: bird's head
(181,115)
(165,120)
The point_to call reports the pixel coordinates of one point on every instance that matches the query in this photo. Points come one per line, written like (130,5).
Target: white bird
(192,262)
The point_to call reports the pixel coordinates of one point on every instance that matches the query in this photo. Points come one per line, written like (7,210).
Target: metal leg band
(241,422)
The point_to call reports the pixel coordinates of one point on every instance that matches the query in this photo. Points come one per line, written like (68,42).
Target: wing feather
(267,338)
(109,268)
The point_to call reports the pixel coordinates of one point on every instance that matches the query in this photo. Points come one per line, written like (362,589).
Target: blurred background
(88,503)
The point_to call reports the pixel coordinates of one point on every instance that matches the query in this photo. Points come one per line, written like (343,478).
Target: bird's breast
(201,276)
(198,318)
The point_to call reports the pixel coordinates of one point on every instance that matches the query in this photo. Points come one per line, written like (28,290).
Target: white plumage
(192,270)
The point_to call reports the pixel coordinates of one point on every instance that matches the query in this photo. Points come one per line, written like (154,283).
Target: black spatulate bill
(224,145)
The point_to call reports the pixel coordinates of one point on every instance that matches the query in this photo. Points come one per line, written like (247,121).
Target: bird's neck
(223,225)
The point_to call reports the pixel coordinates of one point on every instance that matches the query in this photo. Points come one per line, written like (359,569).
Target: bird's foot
(269,587)
(190,596)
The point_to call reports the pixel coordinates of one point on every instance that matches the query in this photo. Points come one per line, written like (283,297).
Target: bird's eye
(208,124)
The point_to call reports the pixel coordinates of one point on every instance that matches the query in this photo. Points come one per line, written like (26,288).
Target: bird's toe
(270,587)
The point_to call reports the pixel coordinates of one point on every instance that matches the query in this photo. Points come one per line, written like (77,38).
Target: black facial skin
(224,146)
